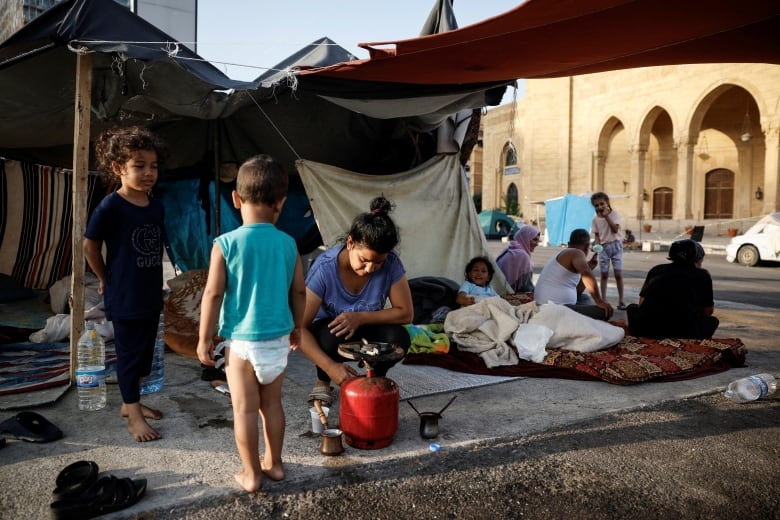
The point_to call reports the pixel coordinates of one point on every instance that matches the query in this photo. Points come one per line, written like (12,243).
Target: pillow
(429,293)
(182,307)
(182,312)
(11,291)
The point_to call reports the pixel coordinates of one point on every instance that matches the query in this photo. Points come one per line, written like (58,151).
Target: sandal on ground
(30,427)
(106,495)
(621,306)
(321,392)
(75,478)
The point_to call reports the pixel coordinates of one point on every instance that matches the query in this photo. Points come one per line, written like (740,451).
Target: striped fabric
(27,367)
(36,207)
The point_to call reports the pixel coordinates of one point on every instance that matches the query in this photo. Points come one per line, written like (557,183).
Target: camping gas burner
(368,353)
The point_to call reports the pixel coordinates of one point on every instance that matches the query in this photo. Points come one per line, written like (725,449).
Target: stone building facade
(673,146)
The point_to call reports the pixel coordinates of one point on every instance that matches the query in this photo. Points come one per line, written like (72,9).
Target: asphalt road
(733,284)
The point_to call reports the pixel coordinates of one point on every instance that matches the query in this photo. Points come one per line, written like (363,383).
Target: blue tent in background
(565,214)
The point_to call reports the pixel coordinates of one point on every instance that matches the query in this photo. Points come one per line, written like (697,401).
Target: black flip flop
(106,495)
(75,478)
(30,427)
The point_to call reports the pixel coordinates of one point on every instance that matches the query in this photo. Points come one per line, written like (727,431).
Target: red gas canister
(368,412)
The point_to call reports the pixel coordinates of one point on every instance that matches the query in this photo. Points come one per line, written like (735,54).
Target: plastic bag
(531,340)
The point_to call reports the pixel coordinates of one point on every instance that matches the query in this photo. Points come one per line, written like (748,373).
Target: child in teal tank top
(256,294)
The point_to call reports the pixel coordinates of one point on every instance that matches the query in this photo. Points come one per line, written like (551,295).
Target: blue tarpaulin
(564,215)
(190,232)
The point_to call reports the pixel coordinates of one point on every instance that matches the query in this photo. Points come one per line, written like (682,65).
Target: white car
(759,243)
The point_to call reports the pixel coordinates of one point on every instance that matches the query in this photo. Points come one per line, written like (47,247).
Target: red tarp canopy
(554,38)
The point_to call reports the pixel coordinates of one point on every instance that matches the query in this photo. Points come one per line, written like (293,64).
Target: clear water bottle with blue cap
(154,381)
(91,369)
(751,388)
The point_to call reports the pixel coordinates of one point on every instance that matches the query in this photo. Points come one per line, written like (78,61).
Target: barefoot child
(130,222)
(255,290)
(606,226)
(479,274)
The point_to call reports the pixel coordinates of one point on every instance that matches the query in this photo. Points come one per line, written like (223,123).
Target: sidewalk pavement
(661,240)
(196,459)
(713,244)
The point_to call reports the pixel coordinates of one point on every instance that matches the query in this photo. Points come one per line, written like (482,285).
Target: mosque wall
(672,146)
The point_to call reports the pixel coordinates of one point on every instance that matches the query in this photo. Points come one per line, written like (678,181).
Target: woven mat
(412,380)
(418,381)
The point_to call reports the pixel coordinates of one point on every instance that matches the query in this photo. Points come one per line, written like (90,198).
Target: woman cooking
(347,289)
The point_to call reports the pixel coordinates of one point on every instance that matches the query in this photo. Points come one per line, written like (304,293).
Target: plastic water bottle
(154,381)
(751,388)
(91,370)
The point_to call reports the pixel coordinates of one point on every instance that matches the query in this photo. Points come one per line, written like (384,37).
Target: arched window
(512,200)
(719,194)
(510,160)
(662,203)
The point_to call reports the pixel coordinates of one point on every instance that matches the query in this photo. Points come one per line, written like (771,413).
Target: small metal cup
(331,442)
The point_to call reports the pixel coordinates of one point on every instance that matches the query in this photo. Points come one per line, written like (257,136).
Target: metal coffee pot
(331,437)
(331,442)
(429,421)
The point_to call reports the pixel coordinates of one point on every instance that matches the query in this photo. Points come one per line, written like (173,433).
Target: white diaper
(268,358)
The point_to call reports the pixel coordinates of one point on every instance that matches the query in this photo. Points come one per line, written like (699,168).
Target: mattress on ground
(633,360)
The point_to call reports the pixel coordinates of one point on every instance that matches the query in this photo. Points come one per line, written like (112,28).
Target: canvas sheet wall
(35,222)
(36,210)
(438,223)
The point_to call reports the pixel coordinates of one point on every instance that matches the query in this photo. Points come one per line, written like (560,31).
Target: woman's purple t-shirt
(323,279)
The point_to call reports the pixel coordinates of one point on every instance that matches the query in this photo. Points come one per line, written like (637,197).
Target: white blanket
(501,333)
(485,329)
(575,331)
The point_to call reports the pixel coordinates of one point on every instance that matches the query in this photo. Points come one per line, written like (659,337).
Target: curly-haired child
(129,222)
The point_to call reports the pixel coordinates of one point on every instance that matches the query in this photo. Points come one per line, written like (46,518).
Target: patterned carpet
(632,361)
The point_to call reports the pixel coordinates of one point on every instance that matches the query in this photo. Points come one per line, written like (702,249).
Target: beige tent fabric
(438,223)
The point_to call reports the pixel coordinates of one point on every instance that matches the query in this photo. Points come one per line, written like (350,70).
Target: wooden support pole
(81,128)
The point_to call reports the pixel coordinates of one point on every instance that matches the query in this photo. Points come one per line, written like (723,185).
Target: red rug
(632,361)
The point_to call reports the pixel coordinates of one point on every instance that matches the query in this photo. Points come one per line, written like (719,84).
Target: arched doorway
(719,194)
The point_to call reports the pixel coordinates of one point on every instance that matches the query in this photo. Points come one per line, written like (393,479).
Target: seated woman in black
(676,299)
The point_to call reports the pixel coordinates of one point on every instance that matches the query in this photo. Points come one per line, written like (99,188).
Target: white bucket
(316,425)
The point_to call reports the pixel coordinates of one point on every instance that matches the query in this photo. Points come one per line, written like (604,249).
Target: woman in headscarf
(676,300)
(515,261)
